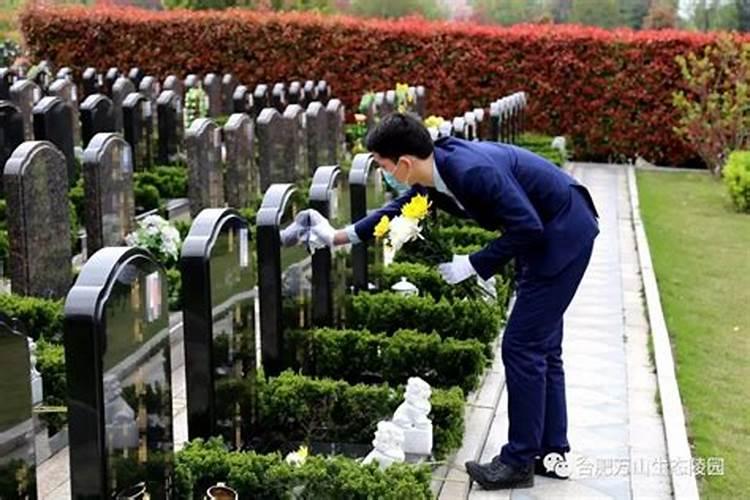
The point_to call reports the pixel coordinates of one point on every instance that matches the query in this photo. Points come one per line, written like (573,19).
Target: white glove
(296,232)
(457,270)
(321,231)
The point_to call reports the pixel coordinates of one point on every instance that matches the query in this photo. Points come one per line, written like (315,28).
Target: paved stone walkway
(615,429)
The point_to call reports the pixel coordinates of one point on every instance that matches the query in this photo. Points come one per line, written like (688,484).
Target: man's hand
(321,233)
(457,270)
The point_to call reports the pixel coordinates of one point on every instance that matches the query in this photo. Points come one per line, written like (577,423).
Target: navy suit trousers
(531,351)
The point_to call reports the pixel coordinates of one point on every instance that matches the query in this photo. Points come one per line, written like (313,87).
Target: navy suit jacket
(546,218)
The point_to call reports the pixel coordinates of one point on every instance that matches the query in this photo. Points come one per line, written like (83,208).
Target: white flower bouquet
(159,237)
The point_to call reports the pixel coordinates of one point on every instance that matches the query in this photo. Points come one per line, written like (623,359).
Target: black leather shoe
(499,476)
(556,466)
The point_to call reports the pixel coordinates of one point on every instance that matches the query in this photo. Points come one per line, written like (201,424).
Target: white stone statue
(388,445)
(412,417)
(37,394)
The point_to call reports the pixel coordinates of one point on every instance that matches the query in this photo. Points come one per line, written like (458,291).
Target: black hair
(400,134)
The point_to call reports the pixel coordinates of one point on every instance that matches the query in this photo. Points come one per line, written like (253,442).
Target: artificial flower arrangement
(405,227)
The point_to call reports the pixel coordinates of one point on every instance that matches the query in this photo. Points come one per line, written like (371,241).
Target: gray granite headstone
(205,178)
(271,148)
(212,86)
(174,84)
(97,115)
(66,90)
(192,81)
(335,116)
(136,113)
(150,88)
(36,191)
(25,94)
(108,184)
(228,84)
(241,178)
(52,123)
(169,111)
(317,135)
(296,150)
(120,90)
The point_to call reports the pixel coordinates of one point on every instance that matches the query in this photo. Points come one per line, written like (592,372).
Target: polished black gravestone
(482,124)
(118,367)
(272,143)
(295,94)
(91,82)
(52,118)
(328,271)
(36,191)
(150,88)
(137,128)
(276,211)
(205,177)
(317,135)
(420,101)
(25,94)
(278,97)
(241,178)
(65,73)
(97,115)
(219,326)
(242,100)
(389,104)
(11,130)
(212,86)
(295,157)
(44,75)
(20,386)
(504,120)
(323,92)
(7,79)
(122,88)
(174,84)
(228,84)
(366,194)
(66,90)
(109,80)
(459,127)
(261,98)
(136,75)
(494,129)
(310,93)
(470,125)
(169,113)
(335,119)
(108,185)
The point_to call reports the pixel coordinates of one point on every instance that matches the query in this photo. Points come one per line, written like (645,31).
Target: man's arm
(363,229)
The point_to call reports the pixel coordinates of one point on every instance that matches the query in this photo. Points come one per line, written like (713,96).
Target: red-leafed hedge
(609,91)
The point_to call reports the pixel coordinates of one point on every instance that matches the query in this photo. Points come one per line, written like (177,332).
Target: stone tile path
(615,429)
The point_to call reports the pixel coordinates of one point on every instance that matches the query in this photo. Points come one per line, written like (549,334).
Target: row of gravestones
(119,353)
(505,124)
(385,103)
(135,106)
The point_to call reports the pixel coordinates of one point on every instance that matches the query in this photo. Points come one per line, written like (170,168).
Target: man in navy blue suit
(548,224)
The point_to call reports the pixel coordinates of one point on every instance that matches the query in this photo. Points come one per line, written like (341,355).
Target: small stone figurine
(388,443)
(412,418)
(36,378)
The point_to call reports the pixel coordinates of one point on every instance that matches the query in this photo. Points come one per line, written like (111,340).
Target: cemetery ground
(699,247)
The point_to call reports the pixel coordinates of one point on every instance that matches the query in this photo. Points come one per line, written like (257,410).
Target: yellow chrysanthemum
(303,452)
(382,227)
(416,208)
(433,121)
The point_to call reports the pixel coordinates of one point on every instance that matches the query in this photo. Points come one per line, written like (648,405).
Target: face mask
(394,183)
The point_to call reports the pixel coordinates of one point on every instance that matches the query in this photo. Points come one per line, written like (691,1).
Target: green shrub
(737,179)
(170,181)
(146,197)
(294,408)
(461,319)
(358,356)
(174,284)
(202,464)
(50,361)
(426,278)
(41,318)
(541,145)
(466,235)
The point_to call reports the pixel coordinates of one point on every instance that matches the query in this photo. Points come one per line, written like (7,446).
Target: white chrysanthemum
(403,230)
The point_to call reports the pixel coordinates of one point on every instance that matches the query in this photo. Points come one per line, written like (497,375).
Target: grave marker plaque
(212,86)
(271,148)
(228,85)
(25,94)
(35,183)
(52,118)
(241,178)
(108,185)
(295,157)
(137,129)
(97,115)
(219,326)
(169,113)
(205,177)
(118,365)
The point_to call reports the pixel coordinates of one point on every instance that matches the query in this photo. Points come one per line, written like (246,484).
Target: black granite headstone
(136,75)
(11,130)
(90,82)
(150,88)
(118,367)
(335,120)
(174,84)
(295,94)
(366,194)
(389,103)
(97,115)
(108,185)
(219,326)
(242,100)
(169,112)
(7,79)
(470,122)
(109,81)
(228,84)
(278,97)
(212,86)
(25,94)
(295,156)
(482,124)
(261,98)
(66,90)
(272,143)
(52,118)
(323,92)
(36,190)
(65,73)
(317,135)
(459,127)
(205,177)
(136,114)
(311,92)
(494,121)
(421,101)
(122,88)
(241,184)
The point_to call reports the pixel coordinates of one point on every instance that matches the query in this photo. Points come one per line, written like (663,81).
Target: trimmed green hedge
(358,356)
(541,145)
(294,407)
(41,318)
(465,235)
(737,179)
(202,464)
(461,319)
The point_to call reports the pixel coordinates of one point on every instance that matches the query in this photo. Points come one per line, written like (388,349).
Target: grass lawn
(701,254)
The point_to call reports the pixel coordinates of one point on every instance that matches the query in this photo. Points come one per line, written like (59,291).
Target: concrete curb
(683,480)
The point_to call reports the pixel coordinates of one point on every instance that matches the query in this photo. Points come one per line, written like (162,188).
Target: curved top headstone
(204,230)
(274,204)
(323,182)
(360,170)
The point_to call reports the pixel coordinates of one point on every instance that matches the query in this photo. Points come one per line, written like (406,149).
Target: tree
(603,13)
(509,12)
(428,9)
(633,12)
(661,15)
(743,14)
